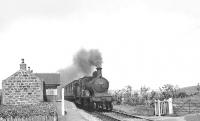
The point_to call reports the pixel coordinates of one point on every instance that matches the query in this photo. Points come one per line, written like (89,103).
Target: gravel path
(75,114)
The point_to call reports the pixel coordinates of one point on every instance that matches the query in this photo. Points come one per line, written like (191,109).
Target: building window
(51,91)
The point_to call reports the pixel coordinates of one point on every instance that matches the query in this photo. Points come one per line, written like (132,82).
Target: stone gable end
(22,88)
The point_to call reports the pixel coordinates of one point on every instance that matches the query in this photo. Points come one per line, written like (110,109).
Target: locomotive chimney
(99,73)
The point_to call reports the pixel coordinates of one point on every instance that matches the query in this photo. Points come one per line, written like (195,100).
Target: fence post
(164,107)
(156,107)
(189,105)
(159,108)
(170,106)
(63,104)
(55,118)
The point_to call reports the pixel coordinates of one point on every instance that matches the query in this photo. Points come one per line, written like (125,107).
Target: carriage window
(70,88)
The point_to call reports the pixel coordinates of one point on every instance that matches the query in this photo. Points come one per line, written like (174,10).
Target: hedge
(25,111)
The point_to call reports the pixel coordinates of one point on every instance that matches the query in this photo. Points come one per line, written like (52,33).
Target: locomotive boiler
(90,92)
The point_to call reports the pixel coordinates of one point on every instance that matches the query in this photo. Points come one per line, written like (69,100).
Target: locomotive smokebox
(99,73)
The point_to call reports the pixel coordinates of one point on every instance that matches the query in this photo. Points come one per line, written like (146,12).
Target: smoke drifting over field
(83,63)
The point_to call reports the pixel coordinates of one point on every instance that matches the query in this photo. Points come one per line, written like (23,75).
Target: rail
(104,117)
(115,115)
(131,115)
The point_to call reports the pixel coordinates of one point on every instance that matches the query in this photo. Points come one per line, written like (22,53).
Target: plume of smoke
(83,63)
(95,58)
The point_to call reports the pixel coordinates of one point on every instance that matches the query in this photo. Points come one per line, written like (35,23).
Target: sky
(142,42)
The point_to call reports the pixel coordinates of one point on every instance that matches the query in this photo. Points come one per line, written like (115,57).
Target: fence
(163,107)
(32,118)
(181,108)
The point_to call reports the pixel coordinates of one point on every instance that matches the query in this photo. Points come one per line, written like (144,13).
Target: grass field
(189,90)
(192,99)
(138,110)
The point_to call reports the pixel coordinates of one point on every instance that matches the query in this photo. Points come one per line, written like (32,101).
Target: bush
(25,111)
(182,95)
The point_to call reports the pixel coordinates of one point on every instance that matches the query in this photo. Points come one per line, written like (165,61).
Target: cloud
(140,37)
(12,9)
(190,8)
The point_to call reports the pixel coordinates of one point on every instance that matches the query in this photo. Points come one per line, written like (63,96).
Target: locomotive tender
(90,92)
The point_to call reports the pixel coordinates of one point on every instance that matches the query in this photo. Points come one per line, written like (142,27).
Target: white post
(63,104)
(159,108)
(164,107)
(155,107)
(170,106)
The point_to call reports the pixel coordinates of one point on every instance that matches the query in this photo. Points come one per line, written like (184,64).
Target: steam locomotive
(90,92)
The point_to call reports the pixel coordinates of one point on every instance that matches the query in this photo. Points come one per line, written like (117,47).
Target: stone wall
(22,88)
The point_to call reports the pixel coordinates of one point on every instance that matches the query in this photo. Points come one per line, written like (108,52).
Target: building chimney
(99,73)
(29,69)
(23,65)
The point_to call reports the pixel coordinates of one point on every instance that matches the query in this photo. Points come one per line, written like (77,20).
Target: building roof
(21,73)
(49,78)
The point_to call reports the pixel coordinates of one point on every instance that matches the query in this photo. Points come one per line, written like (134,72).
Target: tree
(182,94)
(135,98)
(127,95)
(152,95)
(144,92)
(168,91)
(198,87)
(128,91)
(118,96)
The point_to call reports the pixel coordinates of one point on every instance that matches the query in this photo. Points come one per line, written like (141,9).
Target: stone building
(51,83)
(23,87)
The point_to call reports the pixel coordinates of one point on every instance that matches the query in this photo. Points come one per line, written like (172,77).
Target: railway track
(104,117)
(131,115)
(118,116)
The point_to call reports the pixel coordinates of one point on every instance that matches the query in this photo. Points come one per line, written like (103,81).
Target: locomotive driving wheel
(101,106)
(98,106)
(107,107)
(91,106)
(94,105)
(110,106)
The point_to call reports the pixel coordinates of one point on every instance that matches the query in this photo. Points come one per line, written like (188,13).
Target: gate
(163,107)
